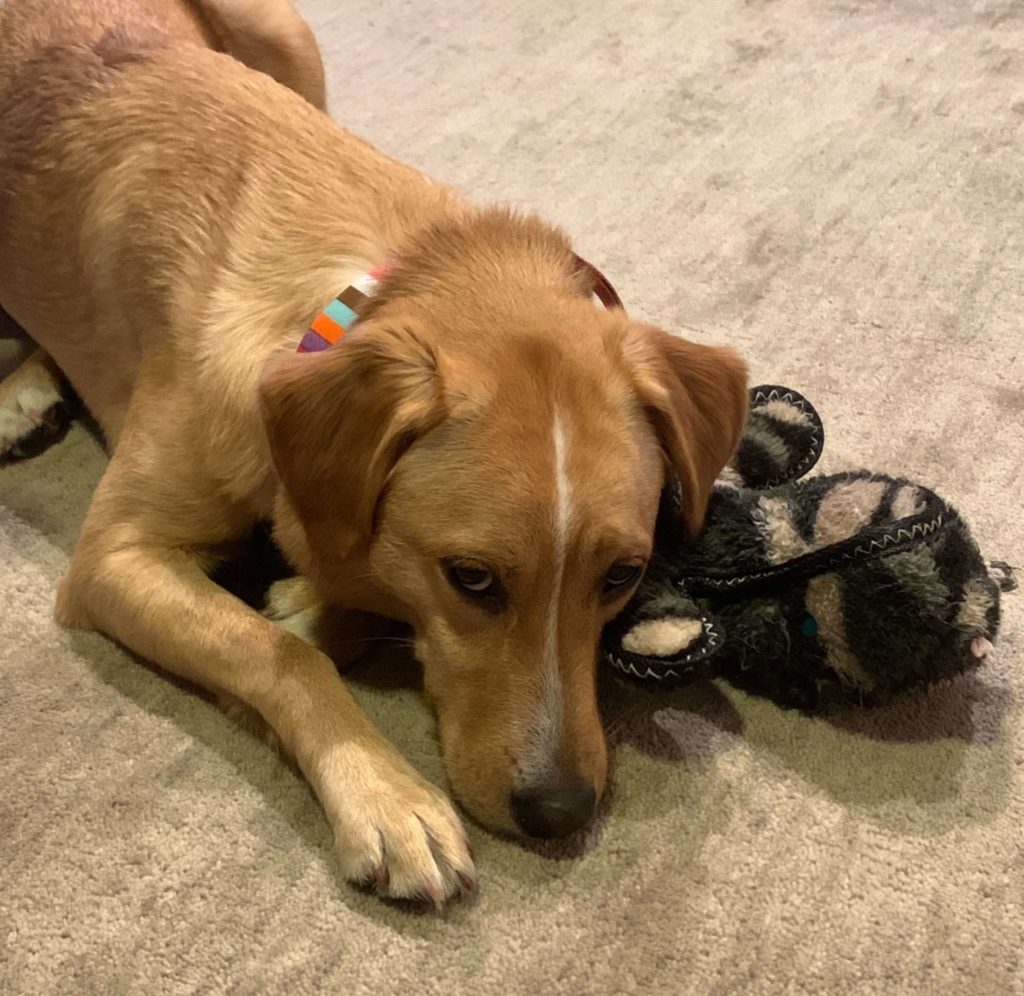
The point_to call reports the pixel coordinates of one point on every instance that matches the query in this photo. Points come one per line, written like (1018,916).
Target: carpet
(833,187)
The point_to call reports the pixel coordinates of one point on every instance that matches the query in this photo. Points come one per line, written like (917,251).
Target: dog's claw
(381,878)
(467,884)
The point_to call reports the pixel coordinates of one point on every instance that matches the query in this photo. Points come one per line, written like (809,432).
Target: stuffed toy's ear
(339,420)
(782,439)
(696,397)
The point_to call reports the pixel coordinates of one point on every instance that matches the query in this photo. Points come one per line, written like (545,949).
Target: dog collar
(343,312)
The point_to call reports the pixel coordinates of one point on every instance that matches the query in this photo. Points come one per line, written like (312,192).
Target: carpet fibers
(834,187)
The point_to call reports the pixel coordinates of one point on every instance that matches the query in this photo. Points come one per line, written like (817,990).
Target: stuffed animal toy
(843,586)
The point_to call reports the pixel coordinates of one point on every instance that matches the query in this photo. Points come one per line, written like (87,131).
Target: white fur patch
(546,730)
(548,727)
(562,517)
(662,637)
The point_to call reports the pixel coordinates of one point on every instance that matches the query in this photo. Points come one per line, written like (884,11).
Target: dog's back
(268,35)
(61,61)
(33,30)
(55,53)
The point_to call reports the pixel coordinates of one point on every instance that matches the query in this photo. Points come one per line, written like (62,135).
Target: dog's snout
(553,809)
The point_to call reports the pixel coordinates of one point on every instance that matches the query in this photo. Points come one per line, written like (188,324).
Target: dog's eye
(470,578)
(621,576)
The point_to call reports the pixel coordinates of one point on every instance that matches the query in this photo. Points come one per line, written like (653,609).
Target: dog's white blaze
(563,517)
(548,722)
(541,753)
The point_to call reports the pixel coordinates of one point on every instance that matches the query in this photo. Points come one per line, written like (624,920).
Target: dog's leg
(390,824)
(30,402)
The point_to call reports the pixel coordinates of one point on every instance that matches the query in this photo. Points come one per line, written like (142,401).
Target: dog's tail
(270,36)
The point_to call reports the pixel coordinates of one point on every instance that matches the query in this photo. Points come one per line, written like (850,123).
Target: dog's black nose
(553,809)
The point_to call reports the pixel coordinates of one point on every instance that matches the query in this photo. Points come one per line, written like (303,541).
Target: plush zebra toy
(850,586)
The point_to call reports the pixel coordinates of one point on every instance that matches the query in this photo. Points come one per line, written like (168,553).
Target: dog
(480,456)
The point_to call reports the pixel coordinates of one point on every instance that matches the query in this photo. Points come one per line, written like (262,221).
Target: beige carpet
(836,187)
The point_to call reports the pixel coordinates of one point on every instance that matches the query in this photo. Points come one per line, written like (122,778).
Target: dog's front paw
(393,829)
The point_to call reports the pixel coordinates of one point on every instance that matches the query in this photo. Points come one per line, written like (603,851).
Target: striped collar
(343,312)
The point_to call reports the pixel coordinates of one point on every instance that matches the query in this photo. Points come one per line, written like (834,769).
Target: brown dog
(481,456)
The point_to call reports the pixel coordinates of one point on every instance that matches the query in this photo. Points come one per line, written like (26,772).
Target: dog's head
(487,464)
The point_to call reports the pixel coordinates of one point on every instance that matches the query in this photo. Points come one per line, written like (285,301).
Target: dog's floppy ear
(339,420)
(696,398)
